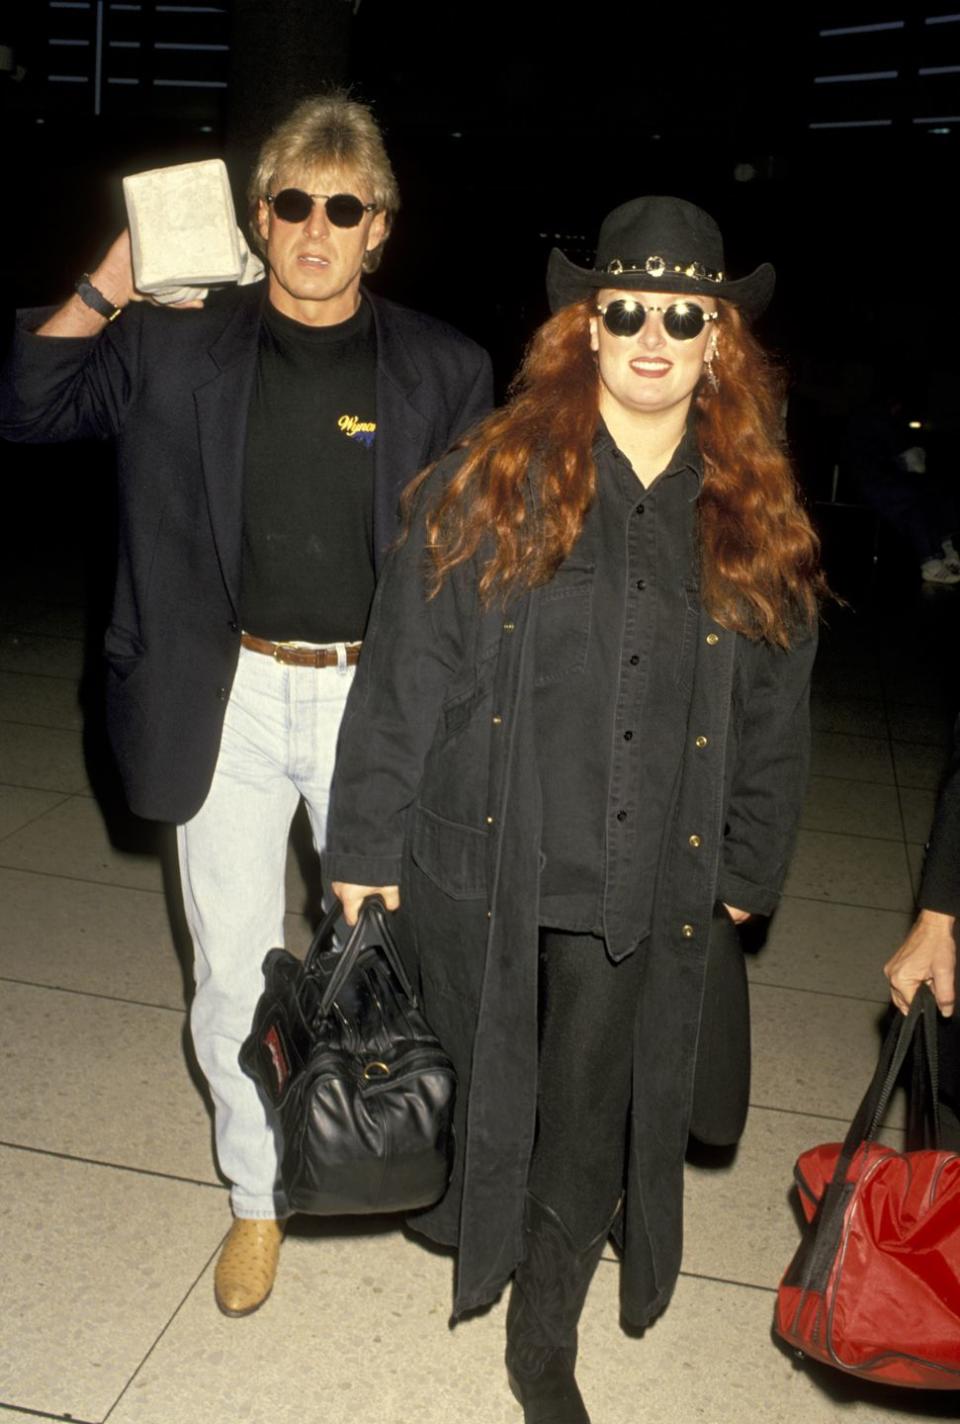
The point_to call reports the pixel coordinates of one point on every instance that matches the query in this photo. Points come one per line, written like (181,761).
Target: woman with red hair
(574,754)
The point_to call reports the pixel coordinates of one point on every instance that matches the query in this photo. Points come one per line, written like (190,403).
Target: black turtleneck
(308,569)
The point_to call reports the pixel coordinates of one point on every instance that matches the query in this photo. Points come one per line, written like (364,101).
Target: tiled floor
(112,1211)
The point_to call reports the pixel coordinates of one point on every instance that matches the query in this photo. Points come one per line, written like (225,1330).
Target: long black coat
(437,787)
(173,390)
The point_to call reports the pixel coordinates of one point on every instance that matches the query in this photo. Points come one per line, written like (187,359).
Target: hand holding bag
(874,1288)
(362,1088)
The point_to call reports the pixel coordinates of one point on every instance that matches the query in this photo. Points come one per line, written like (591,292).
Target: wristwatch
(95,300)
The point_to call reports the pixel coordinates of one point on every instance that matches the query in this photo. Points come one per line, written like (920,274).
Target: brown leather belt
(299,657)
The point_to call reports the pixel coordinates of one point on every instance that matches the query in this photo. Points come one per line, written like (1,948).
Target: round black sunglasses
(293,205)
(682,320)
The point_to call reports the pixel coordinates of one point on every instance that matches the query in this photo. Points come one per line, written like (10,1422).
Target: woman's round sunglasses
(682,320)
(293,205)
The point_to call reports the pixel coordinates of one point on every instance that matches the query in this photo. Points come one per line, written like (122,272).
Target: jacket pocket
(452,855)
(454,781)
(563,623)
(458,712)
(122,650)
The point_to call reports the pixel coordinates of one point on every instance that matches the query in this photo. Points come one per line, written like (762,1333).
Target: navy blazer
(172,389)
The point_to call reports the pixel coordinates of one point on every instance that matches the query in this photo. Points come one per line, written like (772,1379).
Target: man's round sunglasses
(293,205)
(682,320)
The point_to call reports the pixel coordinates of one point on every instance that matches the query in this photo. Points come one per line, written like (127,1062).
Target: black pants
(587,1012)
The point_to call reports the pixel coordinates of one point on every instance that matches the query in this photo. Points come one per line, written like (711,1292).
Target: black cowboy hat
(658,245)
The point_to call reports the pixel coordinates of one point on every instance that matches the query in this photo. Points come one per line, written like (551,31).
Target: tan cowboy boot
(247,1266)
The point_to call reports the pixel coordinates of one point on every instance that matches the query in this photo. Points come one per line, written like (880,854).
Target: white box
(183,228)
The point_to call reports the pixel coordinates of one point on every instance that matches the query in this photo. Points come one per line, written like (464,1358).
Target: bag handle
(824,1233)
(319,935)
(902,1034)
(923,1014)
(373,916)
(923,1099)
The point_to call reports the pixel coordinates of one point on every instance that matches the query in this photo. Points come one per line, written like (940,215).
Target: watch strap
(92,297)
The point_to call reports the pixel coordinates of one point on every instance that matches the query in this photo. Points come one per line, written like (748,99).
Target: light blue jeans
(279,742)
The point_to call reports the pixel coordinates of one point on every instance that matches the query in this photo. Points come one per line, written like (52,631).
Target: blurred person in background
(889,467)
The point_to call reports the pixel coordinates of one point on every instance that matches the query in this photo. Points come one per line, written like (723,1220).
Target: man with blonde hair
(262,445)
(345,133)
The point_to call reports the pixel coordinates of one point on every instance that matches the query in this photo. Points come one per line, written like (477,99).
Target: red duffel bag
(874,1288)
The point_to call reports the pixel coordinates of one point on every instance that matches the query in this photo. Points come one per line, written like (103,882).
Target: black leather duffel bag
(361,1085)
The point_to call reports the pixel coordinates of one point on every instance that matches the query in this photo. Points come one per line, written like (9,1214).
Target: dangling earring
(712,378)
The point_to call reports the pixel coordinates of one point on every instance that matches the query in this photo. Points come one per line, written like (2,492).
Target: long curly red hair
(521,493)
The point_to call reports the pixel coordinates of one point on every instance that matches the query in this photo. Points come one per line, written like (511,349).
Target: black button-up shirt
(614,655)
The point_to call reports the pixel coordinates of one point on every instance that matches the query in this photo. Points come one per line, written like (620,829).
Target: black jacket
(172,389)
(940,889)
(437,786)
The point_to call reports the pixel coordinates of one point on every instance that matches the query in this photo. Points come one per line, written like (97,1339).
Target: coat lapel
(403,431)
(222,404)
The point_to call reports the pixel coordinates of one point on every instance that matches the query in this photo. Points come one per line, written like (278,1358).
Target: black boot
(549,1288)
